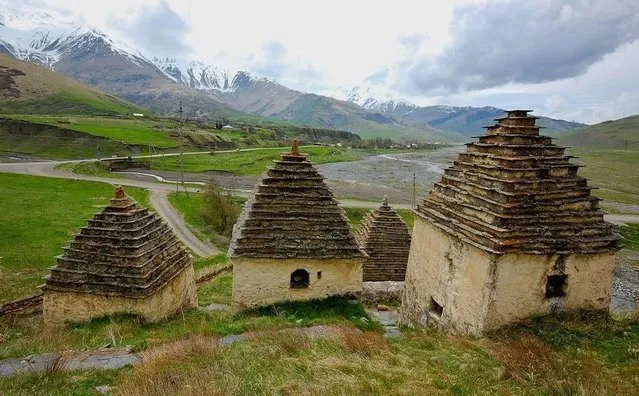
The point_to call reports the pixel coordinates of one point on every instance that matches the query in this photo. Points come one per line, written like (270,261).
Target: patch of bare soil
(7,82)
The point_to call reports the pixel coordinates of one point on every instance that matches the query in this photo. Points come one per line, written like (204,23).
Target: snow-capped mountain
(466,120)
(105,61)
(376,98)
(196,74)
(381,99)
(46,38)
(371,96)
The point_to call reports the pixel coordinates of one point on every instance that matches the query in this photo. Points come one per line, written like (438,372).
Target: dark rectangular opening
(555,286)
(300,279)
(435,308)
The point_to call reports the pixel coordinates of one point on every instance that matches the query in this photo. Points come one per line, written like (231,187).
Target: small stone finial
(295,150)
(385,200)
(119,192)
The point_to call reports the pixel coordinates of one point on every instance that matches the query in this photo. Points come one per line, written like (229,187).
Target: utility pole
(177,176)
(414,192)
(97,151)
(180,176)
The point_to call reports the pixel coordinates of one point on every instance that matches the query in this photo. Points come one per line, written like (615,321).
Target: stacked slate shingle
(293,215)
(125,251)
(386,239)
(515,191)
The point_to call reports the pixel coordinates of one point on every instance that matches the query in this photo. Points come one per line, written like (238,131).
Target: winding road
(159,195)
(160,202)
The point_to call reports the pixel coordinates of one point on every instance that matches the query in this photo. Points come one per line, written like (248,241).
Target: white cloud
(345,41)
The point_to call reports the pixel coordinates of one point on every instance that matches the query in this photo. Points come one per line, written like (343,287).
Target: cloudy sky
(576,60)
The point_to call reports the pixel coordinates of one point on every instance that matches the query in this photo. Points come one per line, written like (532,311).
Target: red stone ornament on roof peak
(119,192)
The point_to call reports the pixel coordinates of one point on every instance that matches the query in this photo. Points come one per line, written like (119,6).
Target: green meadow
(613,172)
(252,162)
(134,131)
(39,217)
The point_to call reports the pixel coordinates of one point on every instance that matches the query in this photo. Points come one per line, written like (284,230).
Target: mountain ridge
(621,134)
(159,83)
(29,88)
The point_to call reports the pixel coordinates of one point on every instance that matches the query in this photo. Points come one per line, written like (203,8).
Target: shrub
(219,210)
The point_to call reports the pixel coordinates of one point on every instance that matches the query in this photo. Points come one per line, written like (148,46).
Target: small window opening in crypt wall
(300,279)
(435,308)
(555,285)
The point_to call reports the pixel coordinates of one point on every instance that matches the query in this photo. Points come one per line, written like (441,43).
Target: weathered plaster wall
(456,275)
(521,284)
(180,292)
(481,291)
(258,282)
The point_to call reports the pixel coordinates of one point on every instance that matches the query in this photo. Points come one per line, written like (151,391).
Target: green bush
(219,209)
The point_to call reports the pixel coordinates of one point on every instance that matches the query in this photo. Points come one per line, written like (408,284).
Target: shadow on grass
(129,330)
(315,312)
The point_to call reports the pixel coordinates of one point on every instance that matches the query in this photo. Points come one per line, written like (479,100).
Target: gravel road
(160,202)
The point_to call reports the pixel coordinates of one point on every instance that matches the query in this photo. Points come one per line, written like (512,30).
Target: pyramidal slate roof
(124,251)
(386,239)
(293,214)
(515,191)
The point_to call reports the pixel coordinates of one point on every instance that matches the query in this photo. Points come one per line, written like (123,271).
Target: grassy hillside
(622,134)
(127,131)
(609,152)
(76,137)
(39,216)
(44,141)
(250,162)
(27,88)
(613,172)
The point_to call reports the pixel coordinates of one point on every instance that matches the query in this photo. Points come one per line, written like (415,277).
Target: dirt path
(160,202)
